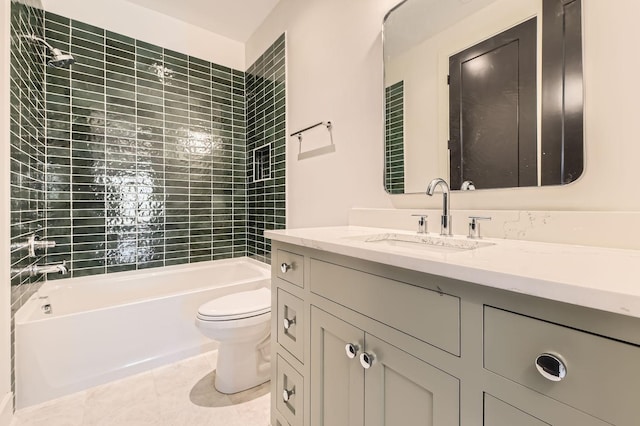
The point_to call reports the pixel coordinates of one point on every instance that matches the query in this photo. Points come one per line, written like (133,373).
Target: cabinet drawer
(290,267)
(596,367)
(533,410)
(289,392)
(291,324)
(499,413)
(424,314)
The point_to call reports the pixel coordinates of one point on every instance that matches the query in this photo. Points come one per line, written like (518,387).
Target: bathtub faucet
(34,270)
(33,244)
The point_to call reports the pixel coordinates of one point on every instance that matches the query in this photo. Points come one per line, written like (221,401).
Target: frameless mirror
(487,93)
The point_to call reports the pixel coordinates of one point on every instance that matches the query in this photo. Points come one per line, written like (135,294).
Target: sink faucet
(445,221)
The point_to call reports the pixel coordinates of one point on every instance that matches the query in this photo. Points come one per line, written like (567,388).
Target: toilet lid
(238,305)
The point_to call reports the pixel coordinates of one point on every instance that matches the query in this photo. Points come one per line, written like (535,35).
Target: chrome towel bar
(299,133)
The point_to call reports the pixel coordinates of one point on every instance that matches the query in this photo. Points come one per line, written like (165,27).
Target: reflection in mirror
(486,92)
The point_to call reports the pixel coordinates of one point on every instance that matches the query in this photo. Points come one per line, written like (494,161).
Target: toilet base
(242,366)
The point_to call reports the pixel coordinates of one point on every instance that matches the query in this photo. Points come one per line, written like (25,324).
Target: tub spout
(34,270)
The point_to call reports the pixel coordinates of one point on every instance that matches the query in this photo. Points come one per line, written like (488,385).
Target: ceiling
(234,19)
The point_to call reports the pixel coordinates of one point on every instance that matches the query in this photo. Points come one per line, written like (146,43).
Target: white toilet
(240,322)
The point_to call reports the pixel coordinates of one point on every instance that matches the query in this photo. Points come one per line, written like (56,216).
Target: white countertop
(599,278)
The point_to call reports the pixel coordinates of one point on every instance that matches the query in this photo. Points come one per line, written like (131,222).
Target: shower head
(59,59)
(56,59)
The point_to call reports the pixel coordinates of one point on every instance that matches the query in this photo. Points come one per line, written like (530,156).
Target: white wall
(152,27)
(6,406)
(334,72)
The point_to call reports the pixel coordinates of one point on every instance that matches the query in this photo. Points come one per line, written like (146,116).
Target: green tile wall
(27,140)
(147,160)
(148,153)
(394,138)
(266,125)
(137,156)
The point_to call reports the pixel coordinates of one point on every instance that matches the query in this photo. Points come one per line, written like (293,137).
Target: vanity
(376,326)
(369,332)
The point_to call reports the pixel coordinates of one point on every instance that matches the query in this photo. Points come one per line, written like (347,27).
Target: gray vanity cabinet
(359,379)
(532,409)
(338,378)
(360,343)
(403,390)
(499,413)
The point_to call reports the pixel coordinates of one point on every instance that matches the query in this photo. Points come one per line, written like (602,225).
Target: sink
(422,242)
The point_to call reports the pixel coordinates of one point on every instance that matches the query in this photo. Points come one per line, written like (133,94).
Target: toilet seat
(237,306)
(241,324)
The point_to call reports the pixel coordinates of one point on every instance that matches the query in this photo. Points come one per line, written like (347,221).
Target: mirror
(484,93)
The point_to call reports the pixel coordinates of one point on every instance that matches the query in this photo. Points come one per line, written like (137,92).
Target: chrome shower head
(59,59)
(56,59)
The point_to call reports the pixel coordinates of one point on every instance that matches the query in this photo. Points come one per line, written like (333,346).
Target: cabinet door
(403,390)
(337,392)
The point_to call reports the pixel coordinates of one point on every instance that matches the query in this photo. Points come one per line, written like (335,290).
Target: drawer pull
(551,367)
(285,267)
(366,360)
(288,394)
(288,323)
(351,350)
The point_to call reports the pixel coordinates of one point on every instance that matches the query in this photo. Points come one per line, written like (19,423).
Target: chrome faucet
(445,220)
(33,244)
(34,270)
(422,223)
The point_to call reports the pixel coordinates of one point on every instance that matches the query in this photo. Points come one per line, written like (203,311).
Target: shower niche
(262,163)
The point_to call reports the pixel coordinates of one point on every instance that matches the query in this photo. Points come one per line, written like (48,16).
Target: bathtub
(106,327)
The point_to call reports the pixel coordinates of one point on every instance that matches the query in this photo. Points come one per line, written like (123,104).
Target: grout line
(164,166)
(243,194)
(71,191)
(105,181)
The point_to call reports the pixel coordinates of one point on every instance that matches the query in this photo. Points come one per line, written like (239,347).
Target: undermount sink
(422,242)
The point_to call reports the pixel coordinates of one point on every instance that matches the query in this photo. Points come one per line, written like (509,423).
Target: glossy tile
(265,126)
(145,152)
(141,119)
(27,148)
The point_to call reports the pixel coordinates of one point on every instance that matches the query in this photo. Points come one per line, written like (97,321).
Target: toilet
(240,322)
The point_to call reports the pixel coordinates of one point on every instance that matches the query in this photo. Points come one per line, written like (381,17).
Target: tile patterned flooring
(180,394)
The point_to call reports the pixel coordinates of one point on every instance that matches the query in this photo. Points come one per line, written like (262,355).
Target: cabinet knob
(288,323)
(288,394)
(551,367)
(351,350)
(366,360)
(285,267)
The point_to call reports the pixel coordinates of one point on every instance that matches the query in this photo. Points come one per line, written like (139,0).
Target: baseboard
(6,409)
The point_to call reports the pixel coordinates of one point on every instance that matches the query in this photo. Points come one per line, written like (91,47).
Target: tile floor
(180,394)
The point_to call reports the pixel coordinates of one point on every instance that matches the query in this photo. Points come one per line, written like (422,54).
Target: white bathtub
(107,327)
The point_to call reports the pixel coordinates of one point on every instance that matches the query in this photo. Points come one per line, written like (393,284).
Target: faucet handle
(422,223)
(34,243)
(467,185)
(474,226)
